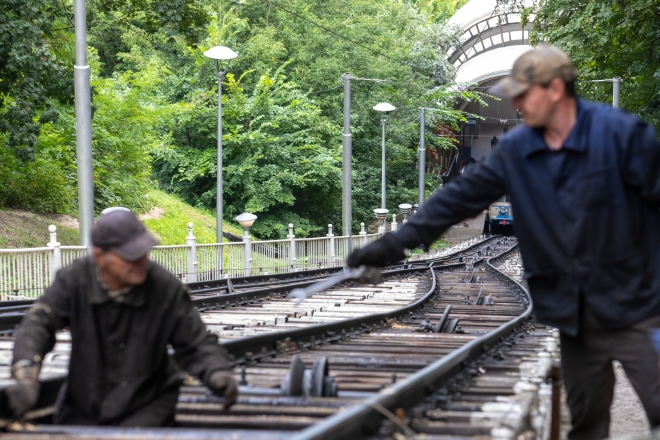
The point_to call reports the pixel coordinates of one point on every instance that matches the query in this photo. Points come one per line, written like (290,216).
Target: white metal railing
(72,253)
(25,273)
(270,257)
(174,258)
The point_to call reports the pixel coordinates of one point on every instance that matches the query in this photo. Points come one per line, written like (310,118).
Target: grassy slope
(171,228)
(25,230)
(21,230)
(31,230)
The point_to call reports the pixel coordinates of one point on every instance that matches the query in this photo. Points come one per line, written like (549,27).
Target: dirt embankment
(19,229)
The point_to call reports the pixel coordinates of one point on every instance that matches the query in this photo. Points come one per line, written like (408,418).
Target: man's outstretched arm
(473,191)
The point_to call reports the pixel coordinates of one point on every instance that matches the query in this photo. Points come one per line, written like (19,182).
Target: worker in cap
(584,181)
(123,310)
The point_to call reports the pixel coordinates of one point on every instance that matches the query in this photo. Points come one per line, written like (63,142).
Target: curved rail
(363,417)
(256,347)
(261,286)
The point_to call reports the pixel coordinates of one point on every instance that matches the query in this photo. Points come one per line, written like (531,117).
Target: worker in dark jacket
(122,310)
(584,182)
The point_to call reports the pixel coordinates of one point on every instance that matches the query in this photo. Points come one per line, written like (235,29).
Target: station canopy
(491,40)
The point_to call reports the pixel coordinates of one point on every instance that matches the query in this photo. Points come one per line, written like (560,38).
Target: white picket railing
(25,273)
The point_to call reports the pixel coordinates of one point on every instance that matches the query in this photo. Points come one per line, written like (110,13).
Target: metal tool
(362,274)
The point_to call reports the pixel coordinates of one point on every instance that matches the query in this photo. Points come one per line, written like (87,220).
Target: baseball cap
(537,66)
(122,232)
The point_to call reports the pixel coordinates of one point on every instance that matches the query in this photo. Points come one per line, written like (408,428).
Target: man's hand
(23,396)
(380,253)
(222,383)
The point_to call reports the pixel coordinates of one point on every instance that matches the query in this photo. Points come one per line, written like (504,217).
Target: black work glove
(22,397)
(380,253)
(222,383)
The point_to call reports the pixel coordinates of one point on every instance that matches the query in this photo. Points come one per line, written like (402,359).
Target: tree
(280,159)
(30,73)
(607,39)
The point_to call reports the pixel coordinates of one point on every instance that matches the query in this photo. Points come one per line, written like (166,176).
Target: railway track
(239,291)
(240,307)
(296,379)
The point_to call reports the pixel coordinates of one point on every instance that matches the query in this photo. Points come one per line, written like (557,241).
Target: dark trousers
(589,376)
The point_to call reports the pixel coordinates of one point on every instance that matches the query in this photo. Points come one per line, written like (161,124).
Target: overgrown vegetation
(170,223)
(606,39)
(155,103)
(155,98)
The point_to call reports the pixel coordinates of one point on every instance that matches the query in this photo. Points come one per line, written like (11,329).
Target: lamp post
(246,220)
(220,53)
(421,162)
(381,215)
(405,209)
(385,108)
(83,104)
(616,91)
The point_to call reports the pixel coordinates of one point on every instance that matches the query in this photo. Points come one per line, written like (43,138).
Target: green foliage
(278,151)
(155,103)
(607,39)
(124,130)
(35,186)
(439,10)
(169,222)
(30,74)
(410,55)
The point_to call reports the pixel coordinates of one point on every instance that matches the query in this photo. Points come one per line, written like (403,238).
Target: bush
(38,186)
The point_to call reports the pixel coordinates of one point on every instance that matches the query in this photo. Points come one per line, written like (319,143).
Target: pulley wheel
(292,385)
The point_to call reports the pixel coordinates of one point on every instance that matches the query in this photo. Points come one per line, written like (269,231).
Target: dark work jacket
(594,232)
(157,313)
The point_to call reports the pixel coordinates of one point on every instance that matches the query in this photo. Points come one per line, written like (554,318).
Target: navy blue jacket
(588,223)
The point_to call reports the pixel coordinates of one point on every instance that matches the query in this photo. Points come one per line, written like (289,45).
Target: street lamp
(385,108)
(405,209)
(381,215)
(220,53)
(246,220)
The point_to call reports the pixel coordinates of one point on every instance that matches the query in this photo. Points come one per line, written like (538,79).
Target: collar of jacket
(576,140)
(98,295)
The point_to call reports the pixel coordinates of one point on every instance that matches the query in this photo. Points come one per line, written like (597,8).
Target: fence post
(363,233)
(331,246)
(394,224)
(56,254)
(292,248)
(247,255)
(191,241)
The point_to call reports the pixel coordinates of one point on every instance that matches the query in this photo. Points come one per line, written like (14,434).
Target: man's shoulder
(510,142)
(163,278)
(607,116)
(76,268)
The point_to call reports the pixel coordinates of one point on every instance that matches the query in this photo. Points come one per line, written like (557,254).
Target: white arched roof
(490,64)
(472,11)
(477,10)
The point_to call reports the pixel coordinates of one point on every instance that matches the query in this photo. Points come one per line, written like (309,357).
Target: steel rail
(12,312)
(265,345)
(256,347)
(363,419)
